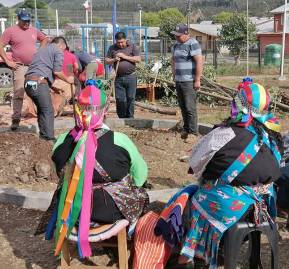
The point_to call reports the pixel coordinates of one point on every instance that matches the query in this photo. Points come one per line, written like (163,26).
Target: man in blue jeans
(187,67)
(126,82)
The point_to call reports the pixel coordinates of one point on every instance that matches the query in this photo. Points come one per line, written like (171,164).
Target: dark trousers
(45,114)
(187,98)
(125,89)
(283,188)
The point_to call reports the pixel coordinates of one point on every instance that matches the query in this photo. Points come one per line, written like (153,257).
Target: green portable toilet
(273,55)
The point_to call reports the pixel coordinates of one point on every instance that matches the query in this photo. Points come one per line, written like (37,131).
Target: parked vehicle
(6,74)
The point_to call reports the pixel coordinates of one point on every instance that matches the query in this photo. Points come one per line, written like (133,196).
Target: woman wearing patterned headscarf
(102,171)
(236,164)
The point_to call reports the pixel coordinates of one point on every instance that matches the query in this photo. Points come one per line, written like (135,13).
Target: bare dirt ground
(20,249)
(28,165)
(27,158)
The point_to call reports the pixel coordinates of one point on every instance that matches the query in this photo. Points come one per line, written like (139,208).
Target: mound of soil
(26,159)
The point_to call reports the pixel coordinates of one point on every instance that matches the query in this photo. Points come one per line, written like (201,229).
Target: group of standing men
(187,65)
(35,71)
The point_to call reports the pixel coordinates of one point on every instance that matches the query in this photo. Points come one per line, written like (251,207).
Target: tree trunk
(237,60)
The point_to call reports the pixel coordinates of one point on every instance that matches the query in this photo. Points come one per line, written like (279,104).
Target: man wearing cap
(22,38)
(187,65)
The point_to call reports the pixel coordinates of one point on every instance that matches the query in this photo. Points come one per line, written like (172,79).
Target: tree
(222,17)
(169,18)
(30,4)
(71,33)
(64,21)
(233,35)
(151,19)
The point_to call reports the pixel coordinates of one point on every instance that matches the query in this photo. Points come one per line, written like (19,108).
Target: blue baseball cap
(23,15)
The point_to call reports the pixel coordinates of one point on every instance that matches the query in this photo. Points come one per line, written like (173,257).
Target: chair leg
(65,255)
(122,249)
(272,234)
(232,244)
(255,250)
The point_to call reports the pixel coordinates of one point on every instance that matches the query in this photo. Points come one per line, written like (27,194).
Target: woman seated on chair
(236,163)
(102,171)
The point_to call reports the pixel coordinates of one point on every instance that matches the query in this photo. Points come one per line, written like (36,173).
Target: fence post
(215,56)
(104,53)
(165,46)
(161,47)
(259,54)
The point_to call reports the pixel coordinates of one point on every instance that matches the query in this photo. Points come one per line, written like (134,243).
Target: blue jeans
(125,89)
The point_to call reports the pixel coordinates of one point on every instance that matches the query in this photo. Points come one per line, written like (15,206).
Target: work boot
(184,134)
(15,125)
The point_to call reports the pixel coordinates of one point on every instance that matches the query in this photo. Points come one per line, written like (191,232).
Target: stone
(24,178)
(26,151)
(18,169)
(42,169)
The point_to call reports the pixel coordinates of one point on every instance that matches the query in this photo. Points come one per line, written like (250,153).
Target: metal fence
(47,17)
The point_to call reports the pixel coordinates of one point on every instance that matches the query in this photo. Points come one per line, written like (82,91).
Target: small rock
(42,169)
(18,169)
(25,178)
(26,151)
(184,158)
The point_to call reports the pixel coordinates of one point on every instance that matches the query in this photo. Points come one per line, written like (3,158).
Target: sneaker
(15,125)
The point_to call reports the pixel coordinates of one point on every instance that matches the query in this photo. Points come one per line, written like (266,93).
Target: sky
(10,3)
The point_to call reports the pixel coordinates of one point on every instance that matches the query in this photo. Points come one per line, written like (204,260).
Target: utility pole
(35,13)
(282,77)
(248,45)
(90,11)
(140,25)
(189,12)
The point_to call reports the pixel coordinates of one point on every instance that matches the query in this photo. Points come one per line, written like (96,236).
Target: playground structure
(100,48)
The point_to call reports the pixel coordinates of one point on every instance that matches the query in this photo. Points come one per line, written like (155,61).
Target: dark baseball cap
(23,15)
(181,29)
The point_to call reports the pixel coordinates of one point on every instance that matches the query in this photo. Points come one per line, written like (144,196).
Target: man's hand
(11,64)
(121,55)
(70,79)
(197,84)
